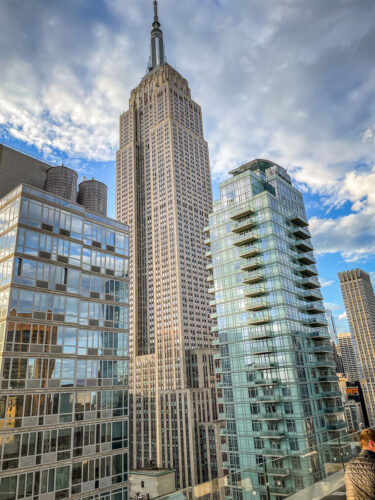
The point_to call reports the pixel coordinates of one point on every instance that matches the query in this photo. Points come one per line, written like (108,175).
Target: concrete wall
(155,483)
(17,168)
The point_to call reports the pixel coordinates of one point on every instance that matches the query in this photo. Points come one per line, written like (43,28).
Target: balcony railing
(242,225)
(276,468)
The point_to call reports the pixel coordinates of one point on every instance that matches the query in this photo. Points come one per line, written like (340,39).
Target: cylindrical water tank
(62,181)
(93,196)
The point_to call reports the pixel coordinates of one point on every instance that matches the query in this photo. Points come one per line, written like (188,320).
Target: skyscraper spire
(157,43)
(156,23)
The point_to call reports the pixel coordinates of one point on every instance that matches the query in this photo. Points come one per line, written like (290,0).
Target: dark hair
(366,436)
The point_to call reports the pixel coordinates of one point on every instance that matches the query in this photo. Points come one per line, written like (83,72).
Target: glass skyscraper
(277,390)
(64,293)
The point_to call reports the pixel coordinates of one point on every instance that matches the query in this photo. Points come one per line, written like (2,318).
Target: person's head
(368,439)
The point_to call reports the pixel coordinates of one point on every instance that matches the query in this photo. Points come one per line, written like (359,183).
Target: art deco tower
(164,194)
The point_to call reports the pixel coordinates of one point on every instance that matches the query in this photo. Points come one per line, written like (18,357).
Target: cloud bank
(290,80)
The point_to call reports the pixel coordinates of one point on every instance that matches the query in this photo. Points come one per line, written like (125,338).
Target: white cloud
(352,235)
(332,306)
(289,80)
(324,283)
(342,317)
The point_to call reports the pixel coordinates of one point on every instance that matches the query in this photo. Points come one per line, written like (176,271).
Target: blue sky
(289,80)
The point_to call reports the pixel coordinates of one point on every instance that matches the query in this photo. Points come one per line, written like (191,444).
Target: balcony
(306,258)
(259,318)
(315,309)
(331,394)
(268,416)
(265,365)
(254,290)
(256,305)
(265,333)
(308,270)
(250,251)
(240,213)
(325,363)
(270,399)
(252,277)
(270,452)
(259,382)
(336,426)
(283,491)
(328,378)
(206,229)
(207,241)
(301,233)
(210,278)
(317,321)
(264,350)
(251,264)
(245,238)
(272,435)
(303,245)
(209,266)
(333,409)
(243,225)
(298,220)
(208,254)
(312,295)
(211,291)
(324,347)
(309,282)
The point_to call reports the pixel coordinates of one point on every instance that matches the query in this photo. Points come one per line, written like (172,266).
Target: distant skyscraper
(64,292)
(164,193)
(331,325)
(348,356)
(278,390)
(359,300)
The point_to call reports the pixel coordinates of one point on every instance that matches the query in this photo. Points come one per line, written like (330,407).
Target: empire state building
(163,189)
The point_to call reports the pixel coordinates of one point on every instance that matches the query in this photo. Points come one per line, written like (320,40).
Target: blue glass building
(277,387)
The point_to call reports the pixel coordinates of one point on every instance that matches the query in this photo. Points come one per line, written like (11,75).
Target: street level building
(164,193)
(277,386)
(64,297)
(349,356)
(359,301)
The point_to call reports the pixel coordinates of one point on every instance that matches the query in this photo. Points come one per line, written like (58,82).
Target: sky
(292,81)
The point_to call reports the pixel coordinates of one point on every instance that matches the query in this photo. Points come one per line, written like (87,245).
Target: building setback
(64,294)
(278,390)
(164,193)
(359,301)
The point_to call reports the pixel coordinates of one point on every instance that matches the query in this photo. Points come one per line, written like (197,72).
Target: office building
(354,393)
(278,389)
(349,356)
(64,295)
(354,416)
(331,325)
(359,301)
(164,192)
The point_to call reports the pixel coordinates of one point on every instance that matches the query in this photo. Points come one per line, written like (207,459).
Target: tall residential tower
(359,300)
(164,193)
(278,390)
